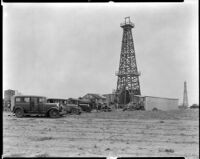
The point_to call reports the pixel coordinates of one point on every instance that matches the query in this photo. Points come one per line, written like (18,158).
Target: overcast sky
(68,50)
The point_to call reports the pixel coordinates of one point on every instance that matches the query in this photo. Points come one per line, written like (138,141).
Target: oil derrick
(185,97)
(128,75)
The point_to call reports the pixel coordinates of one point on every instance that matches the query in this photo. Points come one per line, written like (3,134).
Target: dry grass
(133,133)
(147,115)
(166,150)
(41,138)
(15,155)
(43,155)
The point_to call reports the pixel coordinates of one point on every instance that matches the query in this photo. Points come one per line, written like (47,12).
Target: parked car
(28,105)
(87,107)
(70,108)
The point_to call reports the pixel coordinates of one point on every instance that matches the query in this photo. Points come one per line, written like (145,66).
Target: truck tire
(53,113)
(19,113)
(75,111)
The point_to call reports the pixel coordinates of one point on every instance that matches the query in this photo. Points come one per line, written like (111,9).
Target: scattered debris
(41,138)
(182,134)
(169,150)
(166,150)
(47,129)
(107,149)
(134,106)
(140,148)
(42,155)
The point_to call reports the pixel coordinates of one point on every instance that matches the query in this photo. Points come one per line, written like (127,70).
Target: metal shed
(160,103)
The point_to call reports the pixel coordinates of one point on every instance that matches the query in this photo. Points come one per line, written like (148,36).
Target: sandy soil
(141,133)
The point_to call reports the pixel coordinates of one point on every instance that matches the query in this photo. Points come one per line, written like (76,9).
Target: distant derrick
(185,96)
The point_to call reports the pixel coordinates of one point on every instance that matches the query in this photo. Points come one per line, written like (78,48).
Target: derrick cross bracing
(128,75)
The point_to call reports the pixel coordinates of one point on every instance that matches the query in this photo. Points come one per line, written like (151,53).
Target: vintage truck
(22,105)
(69,107)
(85,106)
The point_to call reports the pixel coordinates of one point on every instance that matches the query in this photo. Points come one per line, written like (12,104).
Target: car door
(26,104)
(34,104)
(23,103)
(41,106)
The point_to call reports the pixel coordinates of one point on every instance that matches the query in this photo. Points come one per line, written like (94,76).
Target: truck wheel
(74,111)
(19,113)
(53,113)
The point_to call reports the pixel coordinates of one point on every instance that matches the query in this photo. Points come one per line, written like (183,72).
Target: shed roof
(28,96)
(156,97)
(98,96)
(162,97)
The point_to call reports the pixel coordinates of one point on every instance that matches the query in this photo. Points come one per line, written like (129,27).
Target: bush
(155,109)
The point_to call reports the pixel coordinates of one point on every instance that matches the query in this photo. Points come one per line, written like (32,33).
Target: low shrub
(155,109)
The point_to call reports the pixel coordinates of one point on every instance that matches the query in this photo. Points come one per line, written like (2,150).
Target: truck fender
(51,109)
(17,108)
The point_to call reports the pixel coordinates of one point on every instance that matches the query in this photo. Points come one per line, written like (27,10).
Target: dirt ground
(96,134)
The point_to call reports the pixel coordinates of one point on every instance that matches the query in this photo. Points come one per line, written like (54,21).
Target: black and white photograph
(100,80)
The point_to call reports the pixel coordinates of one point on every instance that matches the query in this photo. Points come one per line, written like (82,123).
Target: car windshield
(42,100)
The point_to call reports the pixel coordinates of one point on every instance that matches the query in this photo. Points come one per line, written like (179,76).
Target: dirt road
(174,133)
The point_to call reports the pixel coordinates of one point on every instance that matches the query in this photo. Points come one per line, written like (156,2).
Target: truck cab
(70,108)
(84,105)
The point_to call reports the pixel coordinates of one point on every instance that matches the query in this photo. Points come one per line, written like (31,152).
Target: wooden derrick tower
(128,75)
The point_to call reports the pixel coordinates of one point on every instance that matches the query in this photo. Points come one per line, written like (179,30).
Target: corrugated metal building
(8,94)
(160,103)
